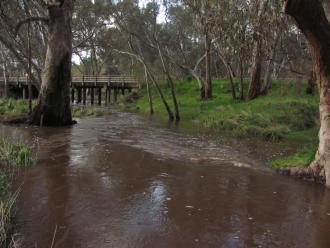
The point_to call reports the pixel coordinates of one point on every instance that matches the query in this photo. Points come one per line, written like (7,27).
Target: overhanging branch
(30,19)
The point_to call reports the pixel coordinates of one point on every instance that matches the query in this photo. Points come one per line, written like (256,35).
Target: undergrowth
(13,155)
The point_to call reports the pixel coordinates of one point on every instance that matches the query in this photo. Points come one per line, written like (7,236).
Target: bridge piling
(25,93)
(84,95)
(115,95)
(109,95)
(106,96)
(72,94)
(79,95)
(113,85)
(100,96)
(92,95)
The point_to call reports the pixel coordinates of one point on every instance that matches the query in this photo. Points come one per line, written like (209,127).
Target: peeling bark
(255,84)
(312,21)
(208,77)
(53,108)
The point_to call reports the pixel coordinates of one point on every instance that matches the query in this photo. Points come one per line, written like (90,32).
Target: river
(126,181)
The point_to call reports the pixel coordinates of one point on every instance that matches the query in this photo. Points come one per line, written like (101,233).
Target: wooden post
(109,95)
(92,95)
(84,95)
(29,78)
(123,91)
(100,96)
(106,95)
(79,95)
(23,92)
(115,94)
(72,94)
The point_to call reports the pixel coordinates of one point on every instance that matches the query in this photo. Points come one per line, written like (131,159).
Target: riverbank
(12,108)
(13,155)
(280,116)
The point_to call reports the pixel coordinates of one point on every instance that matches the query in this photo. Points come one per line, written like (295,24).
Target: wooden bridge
(83,89)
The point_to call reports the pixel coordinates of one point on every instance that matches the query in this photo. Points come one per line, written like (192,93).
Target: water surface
(122,181)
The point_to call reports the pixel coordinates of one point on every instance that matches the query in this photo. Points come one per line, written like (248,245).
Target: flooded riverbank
(121,181)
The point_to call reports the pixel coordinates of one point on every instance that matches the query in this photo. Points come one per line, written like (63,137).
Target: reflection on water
(120,181)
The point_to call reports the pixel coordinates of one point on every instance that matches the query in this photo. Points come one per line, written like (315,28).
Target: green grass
(12,108)
(302,158)
(278,116)
(13,155)
(281,115)
(82,111)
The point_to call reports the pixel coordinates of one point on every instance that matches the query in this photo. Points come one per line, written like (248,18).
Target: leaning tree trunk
(312,21)
(229,70)
(53,108)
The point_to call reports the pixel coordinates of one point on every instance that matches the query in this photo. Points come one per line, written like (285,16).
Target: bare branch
(30,19)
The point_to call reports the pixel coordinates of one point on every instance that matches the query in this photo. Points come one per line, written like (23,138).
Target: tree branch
(30,19)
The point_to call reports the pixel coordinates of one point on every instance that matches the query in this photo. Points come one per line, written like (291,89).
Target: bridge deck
(85,81)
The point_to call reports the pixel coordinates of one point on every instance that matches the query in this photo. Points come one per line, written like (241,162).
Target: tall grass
(281,115)
(82,111)
(12,107)
(273,117)
(13,155)
(302,158)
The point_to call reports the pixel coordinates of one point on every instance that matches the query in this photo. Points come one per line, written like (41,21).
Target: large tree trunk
(208,78)
(170,83)
(270,68)
(241,78)
(311,84)
(151,108)
(255,84)
(53,108)
(311,19)
(229,70)
(4,70)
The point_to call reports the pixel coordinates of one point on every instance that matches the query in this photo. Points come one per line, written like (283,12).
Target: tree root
(314,174)
(26,120)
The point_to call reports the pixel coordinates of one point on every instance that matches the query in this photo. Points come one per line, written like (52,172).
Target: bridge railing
(81,79)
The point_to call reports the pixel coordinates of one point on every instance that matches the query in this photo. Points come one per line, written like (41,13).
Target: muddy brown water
(124,181)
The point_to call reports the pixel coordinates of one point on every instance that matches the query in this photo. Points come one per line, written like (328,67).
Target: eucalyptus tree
(141,31)
(91,19)
(311,19)
(205,12)
(229,33)
(15,14)
(257,22)
(182,43)
(53,107)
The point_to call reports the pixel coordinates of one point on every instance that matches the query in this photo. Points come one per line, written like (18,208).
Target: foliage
(12,107)
(282,114)
(82,111)
(302,158)
(12,156)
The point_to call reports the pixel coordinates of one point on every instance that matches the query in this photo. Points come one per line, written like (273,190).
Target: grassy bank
(280,116)
(13,108)
(81,111)
(12,156)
